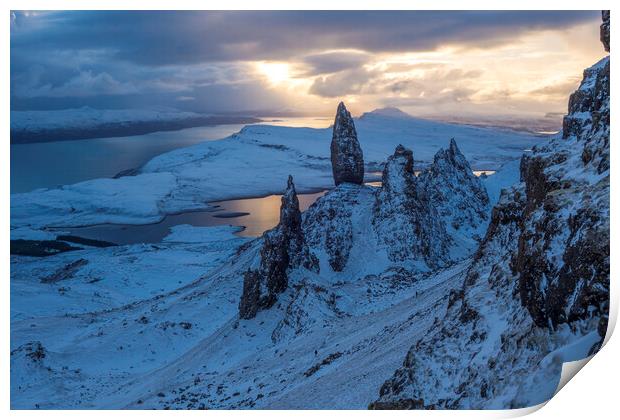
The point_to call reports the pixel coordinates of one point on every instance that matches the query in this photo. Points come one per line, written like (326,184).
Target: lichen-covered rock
(346,154)
(283,247)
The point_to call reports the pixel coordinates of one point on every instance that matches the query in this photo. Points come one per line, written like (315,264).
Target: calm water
(255,214)
(45,165)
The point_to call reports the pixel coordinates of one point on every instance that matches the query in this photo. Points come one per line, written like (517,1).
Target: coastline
(112,130)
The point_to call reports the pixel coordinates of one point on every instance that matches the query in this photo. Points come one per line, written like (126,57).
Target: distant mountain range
(86,123)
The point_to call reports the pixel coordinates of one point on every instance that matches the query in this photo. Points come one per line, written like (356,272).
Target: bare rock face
(605,30)
(421,218)
(405,224)
(283,248)
(328,223)
(346,153)
(454,191)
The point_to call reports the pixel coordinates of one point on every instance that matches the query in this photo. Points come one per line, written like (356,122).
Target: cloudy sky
(426,63)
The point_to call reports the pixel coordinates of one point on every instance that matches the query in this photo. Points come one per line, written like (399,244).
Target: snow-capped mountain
(86,122)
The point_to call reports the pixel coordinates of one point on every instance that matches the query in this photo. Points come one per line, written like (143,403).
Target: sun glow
(276,73)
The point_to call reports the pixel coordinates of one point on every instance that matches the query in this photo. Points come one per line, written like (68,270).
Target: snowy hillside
(254,163)
(87,117)
(86,122)
(136,337)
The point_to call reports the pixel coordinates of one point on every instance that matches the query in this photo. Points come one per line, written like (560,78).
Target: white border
(593,395)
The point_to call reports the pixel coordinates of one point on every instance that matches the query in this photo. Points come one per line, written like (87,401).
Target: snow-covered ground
(156,326)
(254,162)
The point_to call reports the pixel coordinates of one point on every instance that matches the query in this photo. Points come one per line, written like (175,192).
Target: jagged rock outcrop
(283,248)
(564,283)
(329,225)
(454,191)
(422,218)
(538,284)
(605,30)
(346,154)
(406,224)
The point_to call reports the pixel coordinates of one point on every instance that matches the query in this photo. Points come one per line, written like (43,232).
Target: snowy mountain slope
(87,117)
(115,276)
(132,346)
(413,224)
(136,320)
(252,163)
(87,123)
(366,276)
(537,292)
(185,347)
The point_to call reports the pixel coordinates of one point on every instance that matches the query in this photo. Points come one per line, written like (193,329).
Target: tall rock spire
(283,247)
(346,153)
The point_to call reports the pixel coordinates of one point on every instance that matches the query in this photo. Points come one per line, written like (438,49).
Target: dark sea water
(47,165)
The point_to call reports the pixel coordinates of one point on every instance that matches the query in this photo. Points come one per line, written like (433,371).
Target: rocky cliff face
(329,224)
(455,192)
(538,284)
(563,255)
(346,153)
(408,219)
(605,30)
(283,248)
(420,217)
(405,224)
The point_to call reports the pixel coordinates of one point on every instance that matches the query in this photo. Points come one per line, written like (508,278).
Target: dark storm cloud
(179,37)
(125,58)
(348,82)
(332,62)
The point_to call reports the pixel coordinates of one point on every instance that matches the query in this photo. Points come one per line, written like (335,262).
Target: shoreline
(114,130)
(214,206)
